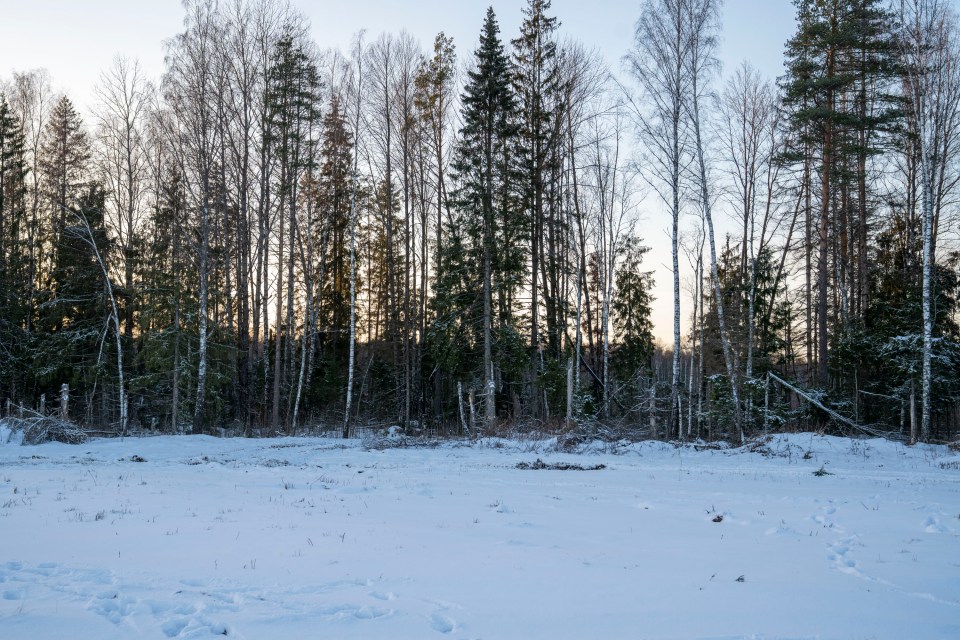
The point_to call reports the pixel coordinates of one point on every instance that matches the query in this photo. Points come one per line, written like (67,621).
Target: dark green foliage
(631,314)
(841,47)
(167,302)
(884,353)
(13,257)
(74,346)
(293,99)
(483,247)
(537,86)
(63,165)
(488,217)
(332,197)
(841,71)
(772,321)
(771,311)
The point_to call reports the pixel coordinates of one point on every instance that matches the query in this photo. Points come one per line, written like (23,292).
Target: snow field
(187,537)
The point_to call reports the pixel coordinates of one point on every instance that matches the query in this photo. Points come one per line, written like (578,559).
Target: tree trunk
(728,355)
(353,242)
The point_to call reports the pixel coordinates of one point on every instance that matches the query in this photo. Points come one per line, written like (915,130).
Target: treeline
(277,236)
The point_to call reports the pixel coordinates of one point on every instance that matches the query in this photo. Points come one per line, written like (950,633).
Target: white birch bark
(358,50)
(923,25)
(657,63)
(701,16)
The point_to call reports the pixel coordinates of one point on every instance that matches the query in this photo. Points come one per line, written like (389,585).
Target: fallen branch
(830,412)
(38,429)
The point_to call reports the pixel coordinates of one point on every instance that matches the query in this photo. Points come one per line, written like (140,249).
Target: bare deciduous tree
(658,63)
(931,54)
(124,102)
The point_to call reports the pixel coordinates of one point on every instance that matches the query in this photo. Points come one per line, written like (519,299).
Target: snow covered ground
(183,537)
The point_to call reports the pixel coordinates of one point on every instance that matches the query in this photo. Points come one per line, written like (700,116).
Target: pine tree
(842,51)
(293,110)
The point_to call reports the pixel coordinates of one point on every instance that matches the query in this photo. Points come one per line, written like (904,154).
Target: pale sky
(76,39)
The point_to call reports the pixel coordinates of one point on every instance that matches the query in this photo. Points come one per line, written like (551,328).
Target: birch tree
(189,90)
(124,99)
(932,84)
(703,22)
(356,89)
(31,97)
(747,131)
(659,64)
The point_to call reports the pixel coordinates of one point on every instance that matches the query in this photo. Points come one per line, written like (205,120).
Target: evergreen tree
(63,163)
(333,201)
(536,83)
(631,314)
(838,63)
(13,254)
(166,302)
(75,318)
(293,111)
(483,259)
(886,353)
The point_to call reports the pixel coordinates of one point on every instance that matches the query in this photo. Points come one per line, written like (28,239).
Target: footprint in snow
(441,623)
(932,525)
(346,611)
(173,628)
(193,582)
(838,555)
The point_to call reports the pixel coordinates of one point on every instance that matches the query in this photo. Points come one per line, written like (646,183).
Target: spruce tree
(165,302)
(63,163)
(632,309)
(13,254)
(486,261)
(536,79)
(74,320)
(292,105)
(333,201)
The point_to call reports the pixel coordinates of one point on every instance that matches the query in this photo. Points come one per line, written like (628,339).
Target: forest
(276,237)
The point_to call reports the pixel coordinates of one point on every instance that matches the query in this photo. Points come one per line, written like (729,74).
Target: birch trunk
(928,266)
(353,242)
(698,270)
(728,355)
(202,313)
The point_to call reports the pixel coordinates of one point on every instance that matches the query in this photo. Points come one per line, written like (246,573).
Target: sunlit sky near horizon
(76,39)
